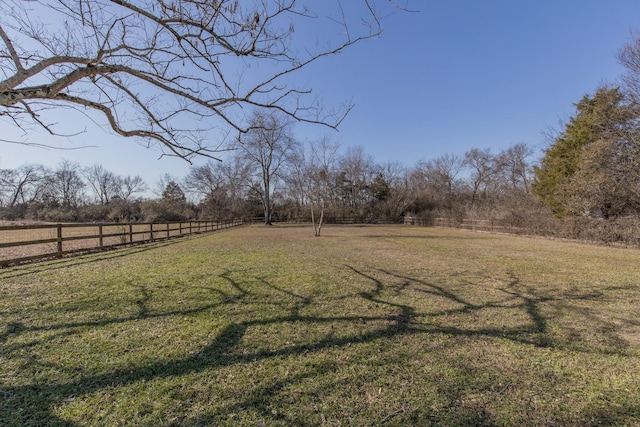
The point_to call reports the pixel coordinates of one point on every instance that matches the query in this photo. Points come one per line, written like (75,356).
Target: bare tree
(357,172)
(516,167)
(130,185)
(266,148)
(296,179)
(484,166)
(399,196)
(20,185)
(64,185)
(442,178)
(205,180)
(154,69)
(235,173)
(207,185)
(629,57)
(320,172)
(105,184)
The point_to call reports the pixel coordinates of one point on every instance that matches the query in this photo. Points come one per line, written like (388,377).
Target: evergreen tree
(599,117)
(173,193)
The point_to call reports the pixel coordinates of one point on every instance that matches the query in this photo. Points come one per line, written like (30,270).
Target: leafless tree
(319,173)
(205,180)
(483,166)
(20,185)
(400,196)
(235,173)
(357,171)
(130,185)
(266,147)
(64,185)
(629,57)
(167,72)
(516,166)
(295,177)
(208,186)
(103,183)
(442,177)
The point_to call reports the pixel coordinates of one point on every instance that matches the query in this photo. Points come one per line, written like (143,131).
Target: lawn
(364,326)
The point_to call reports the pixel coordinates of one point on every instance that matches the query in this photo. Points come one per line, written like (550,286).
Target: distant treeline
(590,170)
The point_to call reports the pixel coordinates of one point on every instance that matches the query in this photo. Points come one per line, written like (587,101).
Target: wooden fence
(493,226)
(480,225)
(19,243)
(623,231)
(341,220)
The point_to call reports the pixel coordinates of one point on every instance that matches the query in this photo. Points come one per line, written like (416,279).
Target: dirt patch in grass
(370,325)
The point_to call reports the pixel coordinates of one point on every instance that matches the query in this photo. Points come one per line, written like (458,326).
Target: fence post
(168,230)
(130,233)
(150,231)
(59,226)
(100,234)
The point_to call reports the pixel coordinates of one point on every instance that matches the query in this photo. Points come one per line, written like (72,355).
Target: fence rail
(341,220)
(20,243)
(623,231)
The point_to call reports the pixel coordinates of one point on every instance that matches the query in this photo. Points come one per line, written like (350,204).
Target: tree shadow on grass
(225,298)
(537,310)
(32,404)
(512,299)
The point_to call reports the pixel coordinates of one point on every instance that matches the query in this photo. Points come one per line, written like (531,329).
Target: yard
(366,325)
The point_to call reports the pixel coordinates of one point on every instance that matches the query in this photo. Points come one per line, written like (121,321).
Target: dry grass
(366,325)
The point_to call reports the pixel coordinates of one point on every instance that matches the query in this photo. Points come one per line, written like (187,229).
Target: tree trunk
(267,216)
(317,227)
(267,210)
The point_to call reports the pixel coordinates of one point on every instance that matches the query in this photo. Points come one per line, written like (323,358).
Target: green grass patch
(369,325)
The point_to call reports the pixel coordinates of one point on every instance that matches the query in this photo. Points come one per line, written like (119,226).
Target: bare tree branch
(156,69)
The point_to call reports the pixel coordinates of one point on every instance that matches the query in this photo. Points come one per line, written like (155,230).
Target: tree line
(272,175)
(178,71)
(591,168)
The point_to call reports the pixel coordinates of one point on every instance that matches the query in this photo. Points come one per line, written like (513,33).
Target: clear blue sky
(453,76)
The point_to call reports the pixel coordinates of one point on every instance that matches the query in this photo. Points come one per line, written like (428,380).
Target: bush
(13,213)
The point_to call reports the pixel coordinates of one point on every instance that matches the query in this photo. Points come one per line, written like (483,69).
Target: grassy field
(366,326)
